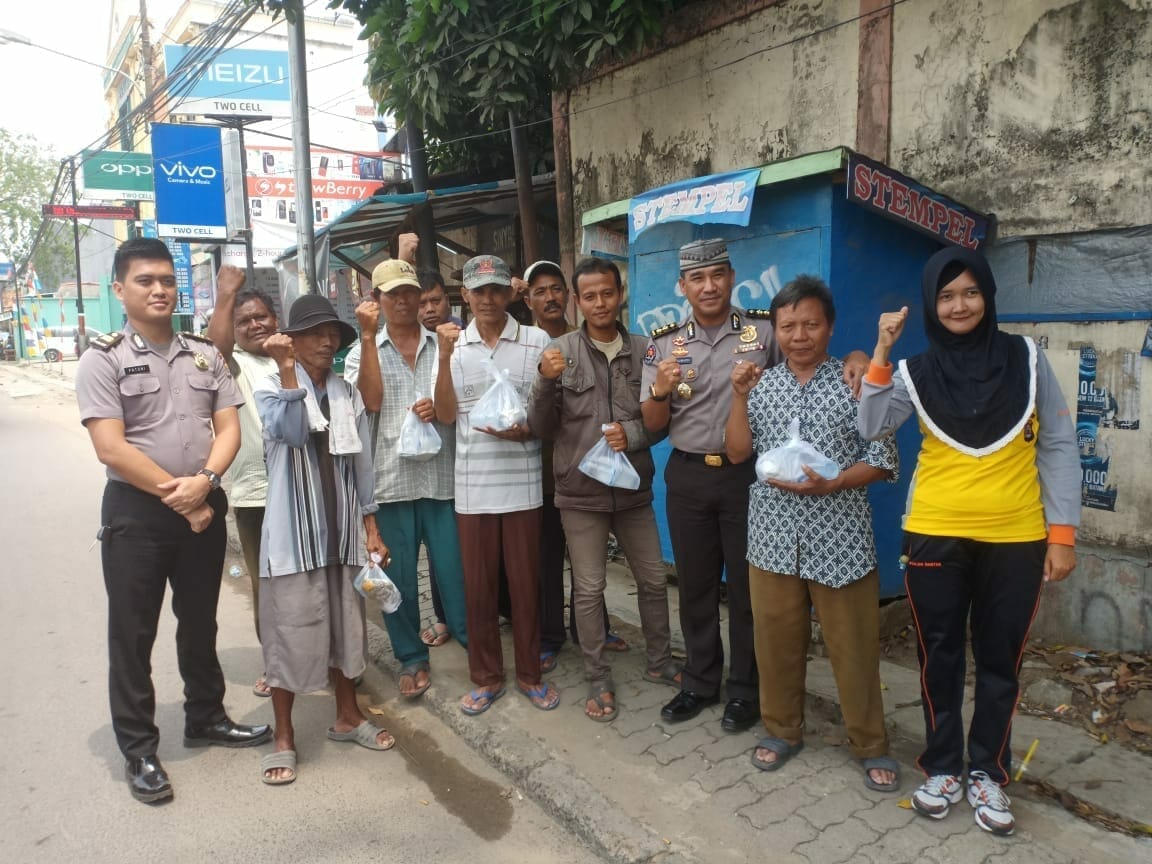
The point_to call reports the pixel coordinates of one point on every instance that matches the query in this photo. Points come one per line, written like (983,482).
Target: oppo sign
(111,175)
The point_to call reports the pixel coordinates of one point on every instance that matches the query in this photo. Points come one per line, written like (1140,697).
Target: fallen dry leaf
(372,709)
(1138,726)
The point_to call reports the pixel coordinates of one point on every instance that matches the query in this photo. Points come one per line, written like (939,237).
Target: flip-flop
(485,700)
(278,759)
(881,763)
(261,688)
(612,642)
(434,637)
(365,735)
(609,710)
(549,696)
(666,675)
(410,672)
(783,750)
(547,661)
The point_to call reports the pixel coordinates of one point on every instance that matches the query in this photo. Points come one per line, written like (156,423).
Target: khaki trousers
(635,530)
(850,620)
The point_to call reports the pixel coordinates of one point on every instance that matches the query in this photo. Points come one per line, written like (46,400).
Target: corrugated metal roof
(361,233)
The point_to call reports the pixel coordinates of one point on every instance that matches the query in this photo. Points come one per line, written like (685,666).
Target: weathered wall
(667,118)
(1038,110)
(1130,450)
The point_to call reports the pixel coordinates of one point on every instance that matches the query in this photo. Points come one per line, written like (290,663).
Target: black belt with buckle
(714,460)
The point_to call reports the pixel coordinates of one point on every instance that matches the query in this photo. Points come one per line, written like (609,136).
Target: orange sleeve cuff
(1063,535)
(879,374)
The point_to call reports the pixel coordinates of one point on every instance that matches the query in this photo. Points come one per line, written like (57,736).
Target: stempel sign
(902,199)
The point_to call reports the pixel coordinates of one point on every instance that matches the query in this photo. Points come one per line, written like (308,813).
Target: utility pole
(81,336)
(301,152)
(524,192)
(422,213)
(145,49)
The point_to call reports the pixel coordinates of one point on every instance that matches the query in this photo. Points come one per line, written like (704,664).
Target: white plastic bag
(500,407)
(419,441)
(373,584)
(785,463)
(610,467)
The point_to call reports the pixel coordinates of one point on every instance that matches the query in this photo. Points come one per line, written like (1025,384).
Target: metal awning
(360,235)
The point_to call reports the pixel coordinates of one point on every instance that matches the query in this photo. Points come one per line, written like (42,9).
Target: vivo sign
(188,170)
(239,82)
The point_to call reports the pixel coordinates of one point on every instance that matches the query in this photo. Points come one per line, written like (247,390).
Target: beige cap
(392,274)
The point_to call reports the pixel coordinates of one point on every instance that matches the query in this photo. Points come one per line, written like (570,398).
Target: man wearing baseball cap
(392,368)
(498,493)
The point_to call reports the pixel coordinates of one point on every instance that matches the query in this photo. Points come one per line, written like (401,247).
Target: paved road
(62,797)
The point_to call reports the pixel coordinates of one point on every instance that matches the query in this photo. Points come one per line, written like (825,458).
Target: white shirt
(247,472)
(494,475)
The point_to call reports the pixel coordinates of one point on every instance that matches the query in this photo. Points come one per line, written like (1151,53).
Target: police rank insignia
(749,334)
(690,374)
(201,361)
(650,355)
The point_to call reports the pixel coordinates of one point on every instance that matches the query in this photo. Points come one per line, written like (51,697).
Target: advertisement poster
(188,173)
(339,182)
(1108,397)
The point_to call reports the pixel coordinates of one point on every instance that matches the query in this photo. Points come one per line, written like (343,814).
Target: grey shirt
(166,397)
(696,424)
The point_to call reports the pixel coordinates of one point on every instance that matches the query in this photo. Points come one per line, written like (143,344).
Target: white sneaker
(935,798)
(990,804)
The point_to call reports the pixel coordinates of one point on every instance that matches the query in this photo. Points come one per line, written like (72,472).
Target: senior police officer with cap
(160,408)
(686,388)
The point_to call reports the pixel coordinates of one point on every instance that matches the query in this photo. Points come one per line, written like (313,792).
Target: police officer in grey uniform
(160,408)
(687,388)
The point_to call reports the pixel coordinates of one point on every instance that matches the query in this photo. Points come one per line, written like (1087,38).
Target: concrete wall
(1038,110)
(667,118)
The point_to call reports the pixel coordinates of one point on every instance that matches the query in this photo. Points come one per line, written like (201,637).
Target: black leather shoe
(685,705)
(147,779)
(740,714)
(227,734)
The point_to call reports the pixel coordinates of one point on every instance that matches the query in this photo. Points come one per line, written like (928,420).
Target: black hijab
(975,388)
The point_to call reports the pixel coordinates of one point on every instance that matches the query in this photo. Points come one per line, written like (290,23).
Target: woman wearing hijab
(992,515)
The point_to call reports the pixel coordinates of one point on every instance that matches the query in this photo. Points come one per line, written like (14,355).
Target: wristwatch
(655,398)
(213,477)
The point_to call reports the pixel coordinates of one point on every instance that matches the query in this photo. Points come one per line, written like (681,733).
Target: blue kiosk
(862,227)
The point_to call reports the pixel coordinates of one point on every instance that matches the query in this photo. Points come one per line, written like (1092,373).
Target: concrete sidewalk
(638,790)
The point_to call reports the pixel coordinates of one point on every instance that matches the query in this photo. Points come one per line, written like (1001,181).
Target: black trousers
(994,589)
(146,545)
(708,520)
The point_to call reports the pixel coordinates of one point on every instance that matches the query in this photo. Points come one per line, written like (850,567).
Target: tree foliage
(27,175)
(458,67)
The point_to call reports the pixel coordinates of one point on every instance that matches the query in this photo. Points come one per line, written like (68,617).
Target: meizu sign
(111,175)
(238,82)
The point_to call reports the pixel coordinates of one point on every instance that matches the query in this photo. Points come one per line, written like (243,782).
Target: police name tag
(137,370)
(745,348)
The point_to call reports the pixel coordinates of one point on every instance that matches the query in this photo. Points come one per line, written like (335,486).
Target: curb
(560,790)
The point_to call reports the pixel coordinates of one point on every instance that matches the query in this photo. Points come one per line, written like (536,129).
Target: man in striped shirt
(498,491)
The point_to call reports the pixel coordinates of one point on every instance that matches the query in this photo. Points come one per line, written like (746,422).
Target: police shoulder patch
(665,330)
(650,356)
(197,337)
(758,313)
(107,341)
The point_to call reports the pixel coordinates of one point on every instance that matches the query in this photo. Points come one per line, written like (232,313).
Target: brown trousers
(850,620)
(249,523)
(635,530)
(484,538)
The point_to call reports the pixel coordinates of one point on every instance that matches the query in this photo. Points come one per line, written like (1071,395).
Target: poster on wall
(1107,397)
(339,181)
